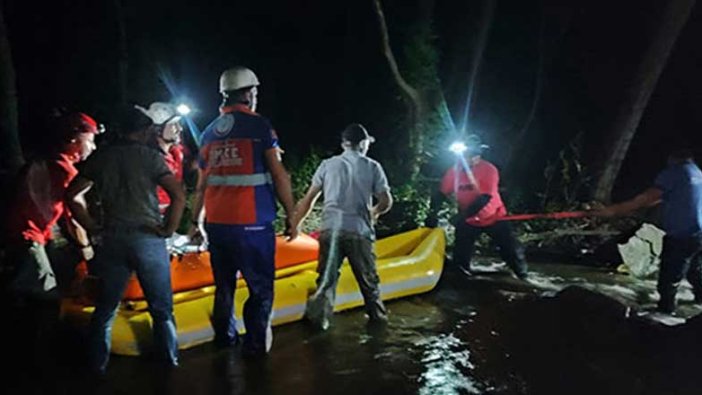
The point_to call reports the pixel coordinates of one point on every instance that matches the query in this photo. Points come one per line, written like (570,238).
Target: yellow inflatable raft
(408,263)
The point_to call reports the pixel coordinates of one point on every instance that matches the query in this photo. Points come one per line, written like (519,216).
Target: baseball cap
(355,133)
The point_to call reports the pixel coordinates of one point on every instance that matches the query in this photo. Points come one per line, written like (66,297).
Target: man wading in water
(348,181)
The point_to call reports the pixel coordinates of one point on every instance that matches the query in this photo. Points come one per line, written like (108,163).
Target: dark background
(321,67)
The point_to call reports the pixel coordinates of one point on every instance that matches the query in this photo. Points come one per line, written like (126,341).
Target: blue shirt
(348,182)
(681,184)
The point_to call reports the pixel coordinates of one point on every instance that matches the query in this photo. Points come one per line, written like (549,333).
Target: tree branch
(624,128)
(410,93)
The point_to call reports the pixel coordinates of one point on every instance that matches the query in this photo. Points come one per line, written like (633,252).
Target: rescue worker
(40,204)
(168,141)
(240,175)
(679,188)
(348,182)
(125,175)
(474,182)
(37,208)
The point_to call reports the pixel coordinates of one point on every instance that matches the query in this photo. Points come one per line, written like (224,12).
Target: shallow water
(489,334)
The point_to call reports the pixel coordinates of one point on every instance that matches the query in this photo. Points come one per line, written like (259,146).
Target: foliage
(421,57)
(414,181)
(567,184)
(301,171)
(409,209)
(567,180)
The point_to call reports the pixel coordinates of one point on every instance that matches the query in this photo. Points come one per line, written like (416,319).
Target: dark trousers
(251,251)
(334,246)
(509,247)
(682,257)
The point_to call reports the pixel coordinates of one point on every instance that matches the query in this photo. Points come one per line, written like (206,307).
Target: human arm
(75,199)
(304,206)
(79,236)
(283,189)
(648,198)
(381,191)
(383,205)
(486,183)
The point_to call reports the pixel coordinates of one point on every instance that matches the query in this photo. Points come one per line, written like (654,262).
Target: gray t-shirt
(348,182)
(125,176)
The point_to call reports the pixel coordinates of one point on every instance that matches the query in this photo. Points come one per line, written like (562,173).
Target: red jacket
(40,199)
(456,182)
(174,161)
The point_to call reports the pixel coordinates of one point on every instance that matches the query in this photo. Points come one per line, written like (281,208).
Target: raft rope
(557,215)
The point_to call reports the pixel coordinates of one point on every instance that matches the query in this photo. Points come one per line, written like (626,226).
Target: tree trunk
(485,25)
(627,121)
(10,149)
(413,98)
(411,95)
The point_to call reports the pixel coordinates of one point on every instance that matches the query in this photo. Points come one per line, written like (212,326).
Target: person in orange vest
(240,176)
(473,182)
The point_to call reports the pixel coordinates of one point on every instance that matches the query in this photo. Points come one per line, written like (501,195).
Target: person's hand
(291,231)
(374,215)
(87,252)
(195,234)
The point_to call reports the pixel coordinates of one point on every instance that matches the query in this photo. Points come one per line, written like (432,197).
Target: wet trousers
(122,253)
(251,251)
(33,275)
(681,257)
(334,246)
(511,251)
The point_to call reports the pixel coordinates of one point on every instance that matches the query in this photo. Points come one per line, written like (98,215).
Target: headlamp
(183,109)
(458,147)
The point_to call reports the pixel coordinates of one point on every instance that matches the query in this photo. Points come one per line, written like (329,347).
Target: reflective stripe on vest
(240,180)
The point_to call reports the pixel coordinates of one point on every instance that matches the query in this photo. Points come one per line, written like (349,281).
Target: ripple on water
(446,362)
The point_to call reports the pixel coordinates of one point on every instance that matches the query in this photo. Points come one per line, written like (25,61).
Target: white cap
(237,78)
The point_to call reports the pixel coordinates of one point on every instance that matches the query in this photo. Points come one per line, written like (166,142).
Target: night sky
(321,67)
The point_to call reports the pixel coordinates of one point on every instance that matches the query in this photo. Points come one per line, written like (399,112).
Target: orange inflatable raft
(192,271)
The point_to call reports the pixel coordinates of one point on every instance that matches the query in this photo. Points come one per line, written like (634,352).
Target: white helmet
(160,113)
(237,78)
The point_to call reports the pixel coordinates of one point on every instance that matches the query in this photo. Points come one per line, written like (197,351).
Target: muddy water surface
(489,334)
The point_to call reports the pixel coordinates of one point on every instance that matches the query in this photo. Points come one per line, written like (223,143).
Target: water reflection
(447,362)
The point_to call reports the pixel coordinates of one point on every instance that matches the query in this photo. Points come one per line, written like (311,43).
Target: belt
(240,180)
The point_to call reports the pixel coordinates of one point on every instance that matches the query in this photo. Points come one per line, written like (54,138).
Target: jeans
(681,257)
(121,253)
(501,232)
(251,251)
(334,246)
